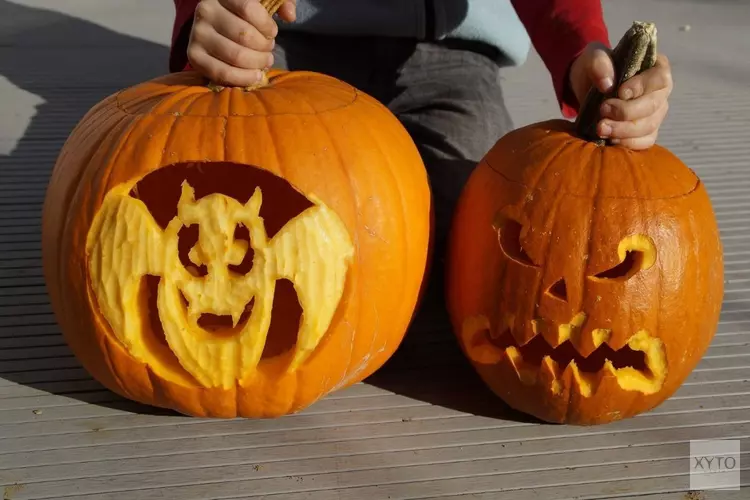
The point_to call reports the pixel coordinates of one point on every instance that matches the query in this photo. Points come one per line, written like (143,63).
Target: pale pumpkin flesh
(125,244)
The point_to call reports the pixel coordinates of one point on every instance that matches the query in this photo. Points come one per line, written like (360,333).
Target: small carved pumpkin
(585,280)
(232,252)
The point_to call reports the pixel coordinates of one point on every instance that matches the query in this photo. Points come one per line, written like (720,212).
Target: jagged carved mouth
(534,352)
(640,365)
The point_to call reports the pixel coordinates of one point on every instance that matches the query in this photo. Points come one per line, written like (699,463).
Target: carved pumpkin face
(236,253)
(585,282)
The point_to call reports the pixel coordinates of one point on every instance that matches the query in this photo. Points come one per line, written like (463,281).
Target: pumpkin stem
(635,53)
(272,6)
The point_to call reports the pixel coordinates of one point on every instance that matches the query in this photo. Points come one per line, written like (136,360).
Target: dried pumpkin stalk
(634,54)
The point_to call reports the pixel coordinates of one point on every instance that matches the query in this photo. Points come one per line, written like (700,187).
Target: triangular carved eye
(559,290)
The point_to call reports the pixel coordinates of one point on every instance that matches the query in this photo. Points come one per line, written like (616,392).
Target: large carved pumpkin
(231,252)
(585,279)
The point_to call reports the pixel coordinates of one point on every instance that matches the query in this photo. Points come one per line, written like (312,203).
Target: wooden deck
(423,427)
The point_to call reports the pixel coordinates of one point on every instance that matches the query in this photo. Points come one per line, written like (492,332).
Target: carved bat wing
(123,246)
(314,251)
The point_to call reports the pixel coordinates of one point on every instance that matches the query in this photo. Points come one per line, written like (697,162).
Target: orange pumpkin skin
(545,206)
(330,142)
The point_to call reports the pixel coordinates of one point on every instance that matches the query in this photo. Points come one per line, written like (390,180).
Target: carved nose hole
(559,290)
(241,233)
(186,240)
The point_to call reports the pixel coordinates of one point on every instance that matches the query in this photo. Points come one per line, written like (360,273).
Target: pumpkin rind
(329,141)
(571,210)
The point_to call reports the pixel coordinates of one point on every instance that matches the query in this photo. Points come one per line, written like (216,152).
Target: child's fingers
(221,72)
(288,11)
(637,143)
(634,109)
(255,14)
(633,129)
(240,31)
(231,52)
(657,78)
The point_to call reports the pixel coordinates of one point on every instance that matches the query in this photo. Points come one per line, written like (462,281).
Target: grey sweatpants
(448,98)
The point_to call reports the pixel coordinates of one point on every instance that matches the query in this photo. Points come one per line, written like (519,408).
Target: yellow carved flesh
(631,379)
(313,251)
(564,331)
(482,350)
(601,335)
(638,243)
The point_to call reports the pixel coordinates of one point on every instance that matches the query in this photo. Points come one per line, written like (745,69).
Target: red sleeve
(183,23)
(560,30)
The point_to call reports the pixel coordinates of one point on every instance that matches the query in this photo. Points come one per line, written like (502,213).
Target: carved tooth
(609,367)
(548,373)
(515,358)
(526,374)
(583,381)
(564,330)
(600,336)
(535,324)
(550,366)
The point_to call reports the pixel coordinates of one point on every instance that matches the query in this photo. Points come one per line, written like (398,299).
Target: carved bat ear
(254,203)
(187,199)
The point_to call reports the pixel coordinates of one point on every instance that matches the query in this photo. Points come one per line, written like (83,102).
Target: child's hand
(633,117)
(231,40)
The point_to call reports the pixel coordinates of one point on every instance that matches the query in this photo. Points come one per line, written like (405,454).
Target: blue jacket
(493,22)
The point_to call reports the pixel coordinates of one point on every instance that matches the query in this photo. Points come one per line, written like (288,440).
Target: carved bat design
(313,251)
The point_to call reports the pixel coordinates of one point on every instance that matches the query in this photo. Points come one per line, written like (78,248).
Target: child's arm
(571,37)
(560,31)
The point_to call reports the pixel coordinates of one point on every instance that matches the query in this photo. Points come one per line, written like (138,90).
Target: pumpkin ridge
(533,186)
(401,202)
(72,190)
(163,149)
(549,221)
(116,146)
(143,104)
(357,222)
(166,94)
(591,224)
(195,98)
(549,226)
(686,194)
